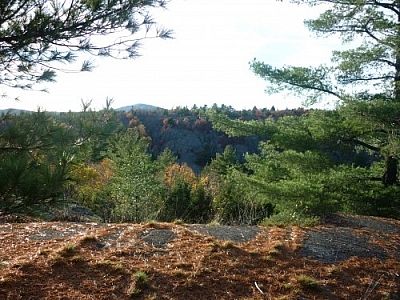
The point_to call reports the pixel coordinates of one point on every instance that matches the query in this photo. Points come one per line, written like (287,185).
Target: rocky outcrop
(193,140)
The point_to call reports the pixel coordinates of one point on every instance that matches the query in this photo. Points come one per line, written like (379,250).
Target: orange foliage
(133,122)
(93,177)
(202,125)
(142,130)
(165,122)
(179,172)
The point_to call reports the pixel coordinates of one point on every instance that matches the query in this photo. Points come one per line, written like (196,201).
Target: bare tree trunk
(390,175)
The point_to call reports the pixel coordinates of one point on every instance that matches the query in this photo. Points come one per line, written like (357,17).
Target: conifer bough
(35,34)
(366,75)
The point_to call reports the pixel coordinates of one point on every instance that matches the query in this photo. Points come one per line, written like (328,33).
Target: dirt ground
(346,257)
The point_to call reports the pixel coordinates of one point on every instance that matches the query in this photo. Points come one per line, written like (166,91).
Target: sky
(207,62)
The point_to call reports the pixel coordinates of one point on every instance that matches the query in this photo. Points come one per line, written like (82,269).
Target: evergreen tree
(223,161)
(36,153)
(373,68)
(135,185)
(36,33)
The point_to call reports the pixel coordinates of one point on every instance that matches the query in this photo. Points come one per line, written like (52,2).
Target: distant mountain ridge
(142,106)
(14,111)
(139,106)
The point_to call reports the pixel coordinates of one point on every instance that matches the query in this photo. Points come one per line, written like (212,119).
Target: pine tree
(373,68)
(35,34)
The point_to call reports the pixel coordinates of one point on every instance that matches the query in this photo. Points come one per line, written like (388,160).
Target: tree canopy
(326,161)
(373,65)
(34,34)
(364,78)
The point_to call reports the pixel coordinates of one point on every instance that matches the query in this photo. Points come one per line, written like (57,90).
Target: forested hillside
(196,165)
(203,164)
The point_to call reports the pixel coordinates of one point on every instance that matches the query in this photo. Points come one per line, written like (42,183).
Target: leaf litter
(343,258)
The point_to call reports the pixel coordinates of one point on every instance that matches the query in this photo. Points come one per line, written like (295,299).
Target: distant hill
(139,106)
(13,111)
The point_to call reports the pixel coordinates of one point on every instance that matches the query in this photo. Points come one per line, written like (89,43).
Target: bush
(233,206)
(186,202)
(177,202)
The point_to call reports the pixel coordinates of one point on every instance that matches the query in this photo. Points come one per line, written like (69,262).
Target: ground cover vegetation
(308,162)
(358,259)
